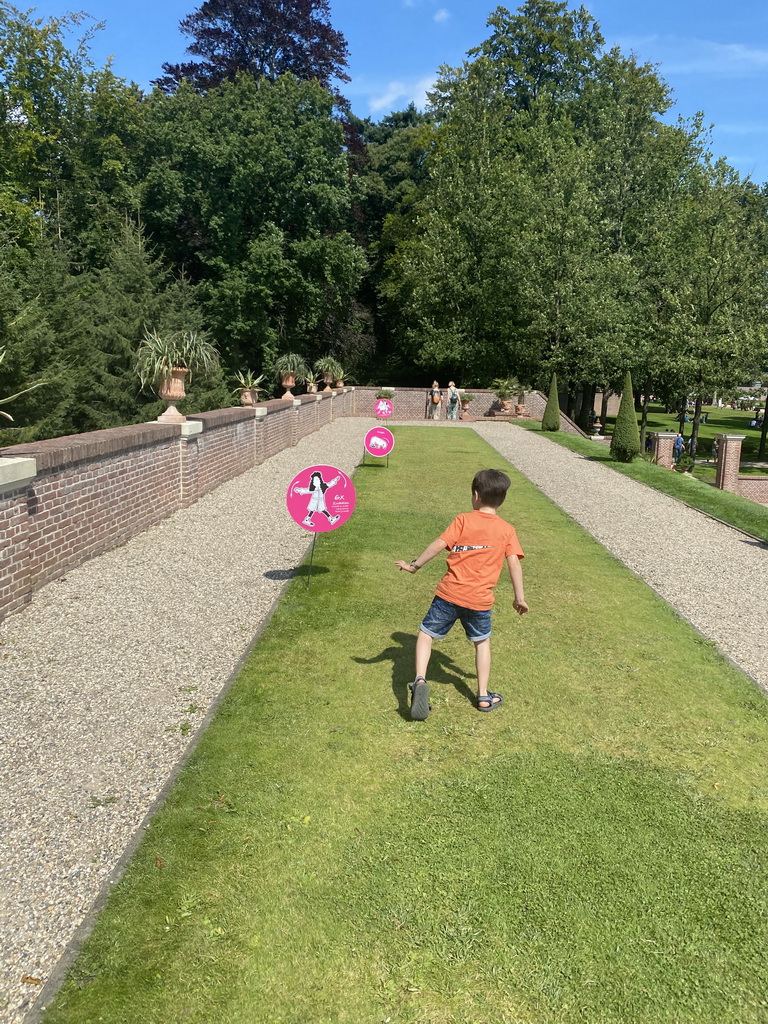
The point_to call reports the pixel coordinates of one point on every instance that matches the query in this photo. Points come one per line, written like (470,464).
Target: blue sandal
(420,706)
(491,699)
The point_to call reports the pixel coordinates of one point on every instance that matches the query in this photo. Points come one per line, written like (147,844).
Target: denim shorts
(442,615)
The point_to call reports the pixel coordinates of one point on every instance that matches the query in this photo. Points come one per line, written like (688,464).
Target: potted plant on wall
(248,387)
(312,380)
(504,388)
(520,406)
(466,398)
(330,368)
(290,369)
(164,361)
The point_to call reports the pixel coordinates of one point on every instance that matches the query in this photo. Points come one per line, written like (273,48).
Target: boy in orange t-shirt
(478,542)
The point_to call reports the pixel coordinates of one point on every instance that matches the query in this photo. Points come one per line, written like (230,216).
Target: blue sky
(713,55)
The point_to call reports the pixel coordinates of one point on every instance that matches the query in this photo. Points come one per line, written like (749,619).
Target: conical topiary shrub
(625,444)
(551,418)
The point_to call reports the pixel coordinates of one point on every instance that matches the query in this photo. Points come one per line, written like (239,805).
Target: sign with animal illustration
(383,408)
(321,498)
(379,442)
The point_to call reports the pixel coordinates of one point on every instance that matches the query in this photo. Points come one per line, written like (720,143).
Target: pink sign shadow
(321,498)
(383,408)
(379,442)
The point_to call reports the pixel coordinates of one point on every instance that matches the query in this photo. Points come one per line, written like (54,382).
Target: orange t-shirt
(478,543)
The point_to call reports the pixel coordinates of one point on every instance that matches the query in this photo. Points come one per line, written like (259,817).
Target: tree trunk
(571,413)
(681,417)
(604,407)
(644,418)
(587,407)
(695,426)
(764,431)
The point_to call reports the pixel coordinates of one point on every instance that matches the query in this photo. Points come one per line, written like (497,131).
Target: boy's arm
(516,575)
(426,555)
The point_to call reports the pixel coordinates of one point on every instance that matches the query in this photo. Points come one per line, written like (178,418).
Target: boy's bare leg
(483,665)
(423,653)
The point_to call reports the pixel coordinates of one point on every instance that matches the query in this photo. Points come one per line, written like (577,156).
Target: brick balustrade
(662,448)
(728,462)
(65,500)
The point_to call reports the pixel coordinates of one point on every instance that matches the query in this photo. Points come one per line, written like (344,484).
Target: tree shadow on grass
(442,669)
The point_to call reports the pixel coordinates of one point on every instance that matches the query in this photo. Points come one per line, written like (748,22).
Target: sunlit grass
(593,851)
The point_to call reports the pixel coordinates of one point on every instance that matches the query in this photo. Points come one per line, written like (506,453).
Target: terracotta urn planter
(506,404)
(339,383)
(328,381)
(465,409)
(312,389)
(288,381)
(247,397)
(519,410)
(172,391)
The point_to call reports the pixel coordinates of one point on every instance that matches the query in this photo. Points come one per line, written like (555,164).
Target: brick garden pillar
(728,461)
(662,448)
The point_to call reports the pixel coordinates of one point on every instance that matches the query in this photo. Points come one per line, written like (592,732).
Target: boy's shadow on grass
(442,669)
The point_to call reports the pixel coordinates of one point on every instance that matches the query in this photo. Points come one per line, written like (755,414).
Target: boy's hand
(406,566)
(520,607)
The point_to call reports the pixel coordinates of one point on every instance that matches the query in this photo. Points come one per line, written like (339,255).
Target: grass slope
(731,508)
(592,851)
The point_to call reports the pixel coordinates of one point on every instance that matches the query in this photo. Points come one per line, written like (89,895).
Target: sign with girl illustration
(321,498)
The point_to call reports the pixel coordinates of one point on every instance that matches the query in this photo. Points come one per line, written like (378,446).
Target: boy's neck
(478,506)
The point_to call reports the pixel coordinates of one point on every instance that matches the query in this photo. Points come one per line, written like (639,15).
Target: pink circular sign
(379,441)
(383,408)
(321,498)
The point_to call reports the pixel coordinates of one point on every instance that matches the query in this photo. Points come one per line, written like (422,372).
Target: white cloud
(441,15)
(397,95)
(690,56)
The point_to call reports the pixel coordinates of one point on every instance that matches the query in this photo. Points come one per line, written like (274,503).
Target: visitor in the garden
(452,412)
(478,543)
(435,400)
(715,448)
(678,447)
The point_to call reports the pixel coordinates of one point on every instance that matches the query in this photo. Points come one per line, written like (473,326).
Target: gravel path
(713,575)
(103,671)
(100,676)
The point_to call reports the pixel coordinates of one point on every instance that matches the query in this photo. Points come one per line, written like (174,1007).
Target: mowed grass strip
(591,851)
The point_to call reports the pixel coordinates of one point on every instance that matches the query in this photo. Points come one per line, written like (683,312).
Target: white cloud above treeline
(398,95)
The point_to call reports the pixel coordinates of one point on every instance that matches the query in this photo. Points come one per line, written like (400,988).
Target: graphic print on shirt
(470,547)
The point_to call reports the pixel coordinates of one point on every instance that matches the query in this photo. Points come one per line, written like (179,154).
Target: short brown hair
(491,486)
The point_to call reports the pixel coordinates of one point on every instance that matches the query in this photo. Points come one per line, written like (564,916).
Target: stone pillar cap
(663,433)
(260,413)
(731,437)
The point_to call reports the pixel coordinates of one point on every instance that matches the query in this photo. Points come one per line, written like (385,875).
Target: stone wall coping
(190,428)
(260,412)
(57,452)
(663,433)
(222,417)
(730,437)
(15,474)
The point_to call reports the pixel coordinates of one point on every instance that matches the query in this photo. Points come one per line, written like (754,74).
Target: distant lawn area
(592,852)
(693,489)
(719,421)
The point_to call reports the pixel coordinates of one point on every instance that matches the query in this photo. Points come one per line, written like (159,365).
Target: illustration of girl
(316,490)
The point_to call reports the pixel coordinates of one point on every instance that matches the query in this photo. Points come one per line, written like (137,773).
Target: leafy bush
(625,444)
(551,419)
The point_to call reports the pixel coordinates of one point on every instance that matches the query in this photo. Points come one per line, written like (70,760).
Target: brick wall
(93,491)
(413,404)
(755,488)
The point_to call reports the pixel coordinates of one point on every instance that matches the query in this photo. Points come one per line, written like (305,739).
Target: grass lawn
(593,851)
(694,489)
(719,421)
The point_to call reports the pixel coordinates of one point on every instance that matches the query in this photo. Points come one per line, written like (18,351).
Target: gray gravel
(101,674)
(713,575)
(102,671)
